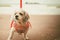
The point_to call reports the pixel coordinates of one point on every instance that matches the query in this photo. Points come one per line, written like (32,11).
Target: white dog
(19,24)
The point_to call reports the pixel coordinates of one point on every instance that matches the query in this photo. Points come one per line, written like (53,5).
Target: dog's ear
(26,17)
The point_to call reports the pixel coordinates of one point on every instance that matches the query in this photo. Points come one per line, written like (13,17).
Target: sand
(44,27)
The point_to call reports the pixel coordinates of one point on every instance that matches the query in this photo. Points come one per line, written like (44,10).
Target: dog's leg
(25,35)
(11,33)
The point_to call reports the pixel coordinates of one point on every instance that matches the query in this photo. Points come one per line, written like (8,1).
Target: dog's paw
(26,38)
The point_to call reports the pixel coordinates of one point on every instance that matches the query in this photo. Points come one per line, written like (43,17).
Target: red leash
(20,3)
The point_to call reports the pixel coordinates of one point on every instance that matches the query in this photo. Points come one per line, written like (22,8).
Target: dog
(20,24)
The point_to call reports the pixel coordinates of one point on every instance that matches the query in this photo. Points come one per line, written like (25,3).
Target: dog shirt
(19,27)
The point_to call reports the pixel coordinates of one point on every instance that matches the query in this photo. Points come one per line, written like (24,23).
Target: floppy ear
(27,16)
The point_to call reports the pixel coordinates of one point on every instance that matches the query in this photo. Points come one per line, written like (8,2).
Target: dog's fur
(20,18)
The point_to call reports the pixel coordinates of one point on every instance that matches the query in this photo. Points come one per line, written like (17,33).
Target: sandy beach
(44,27)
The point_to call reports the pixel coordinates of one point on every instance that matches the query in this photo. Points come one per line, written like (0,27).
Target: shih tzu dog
(19,24)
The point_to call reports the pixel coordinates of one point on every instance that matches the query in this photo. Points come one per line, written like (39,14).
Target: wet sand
(44,27)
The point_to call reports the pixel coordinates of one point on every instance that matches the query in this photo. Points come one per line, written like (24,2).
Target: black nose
(16,16)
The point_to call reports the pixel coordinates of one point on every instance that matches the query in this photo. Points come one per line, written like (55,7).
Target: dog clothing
(20,27)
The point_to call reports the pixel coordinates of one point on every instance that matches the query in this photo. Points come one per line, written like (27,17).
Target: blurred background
(44,17)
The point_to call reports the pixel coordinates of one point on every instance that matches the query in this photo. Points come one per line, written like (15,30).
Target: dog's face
(21,15)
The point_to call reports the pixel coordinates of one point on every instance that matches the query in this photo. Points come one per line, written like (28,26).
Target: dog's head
(21,16)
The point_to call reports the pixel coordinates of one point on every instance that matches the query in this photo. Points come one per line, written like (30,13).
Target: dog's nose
(16,16)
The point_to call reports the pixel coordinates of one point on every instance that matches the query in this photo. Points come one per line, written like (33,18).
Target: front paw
(26,38)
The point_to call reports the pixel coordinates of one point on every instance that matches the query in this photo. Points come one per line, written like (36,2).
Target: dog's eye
(21,14)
